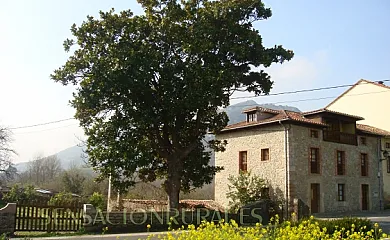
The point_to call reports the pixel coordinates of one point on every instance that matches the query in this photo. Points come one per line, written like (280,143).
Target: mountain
(235,115)
(73,156)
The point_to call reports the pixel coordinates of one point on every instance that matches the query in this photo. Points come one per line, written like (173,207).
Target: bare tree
(7,171)
(5,150)
(52,167)
(43,169)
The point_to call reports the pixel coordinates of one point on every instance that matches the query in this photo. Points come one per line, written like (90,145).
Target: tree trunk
(173,196)
(173,183)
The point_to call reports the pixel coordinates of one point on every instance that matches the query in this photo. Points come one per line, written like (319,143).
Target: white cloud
(302,72)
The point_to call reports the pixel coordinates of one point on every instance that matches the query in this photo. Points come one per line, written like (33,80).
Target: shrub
(19,194)
(97,200)
(362,224)
(244,189)
(62,198)
(306,229)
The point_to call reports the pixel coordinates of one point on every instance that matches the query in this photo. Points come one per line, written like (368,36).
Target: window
(340,163)
(341,192)
(265,154)
(313,133)
(364,164)
(388,145)
(363,141)
(252,117)
(388,164)
(314,160)
(243,161)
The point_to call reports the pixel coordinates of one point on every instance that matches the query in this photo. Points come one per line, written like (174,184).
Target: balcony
(340,137)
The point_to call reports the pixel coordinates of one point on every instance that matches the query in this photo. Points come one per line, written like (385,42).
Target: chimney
(381,82)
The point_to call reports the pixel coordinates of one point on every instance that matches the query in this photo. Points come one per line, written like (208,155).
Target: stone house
(324,158)
(368,99)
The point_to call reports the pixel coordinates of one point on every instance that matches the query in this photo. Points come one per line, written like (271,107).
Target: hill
(73,156)
(235,115)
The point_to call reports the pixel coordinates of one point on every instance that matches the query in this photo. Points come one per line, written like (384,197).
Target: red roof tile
(322,110)
(283,115)
(262,109)
(372,130)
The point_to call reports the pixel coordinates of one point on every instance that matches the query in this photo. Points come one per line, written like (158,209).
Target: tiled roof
(322,110)
(359,82)
(262,109)
(282,115)
(372,130)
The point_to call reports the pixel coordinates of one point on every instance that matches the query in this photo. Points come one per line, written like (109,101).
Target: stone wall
(7,218)
(134,205)
(137,205)
(96,221)
(252,140)
(300,143)
(385,174)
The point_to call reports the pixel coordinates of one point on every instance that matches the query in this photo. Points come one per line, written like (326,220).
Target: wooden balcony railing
(340,137)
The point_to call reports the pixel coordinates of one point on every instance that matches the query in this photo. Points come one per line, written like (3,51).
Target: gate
(47,218)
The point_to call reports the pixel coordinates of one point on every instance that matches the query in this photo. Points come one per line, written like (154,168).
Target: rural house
(321,157)
(369,99)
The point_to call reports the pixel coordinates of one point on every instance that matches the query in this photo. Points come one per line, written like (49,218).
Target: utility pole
(109,194)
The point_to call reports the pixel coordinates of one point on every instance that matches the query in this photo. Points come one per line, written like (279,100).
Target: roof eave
(319,125)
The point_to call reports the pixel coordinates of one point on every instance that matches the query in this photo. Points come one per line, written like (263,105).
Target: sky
(335,43)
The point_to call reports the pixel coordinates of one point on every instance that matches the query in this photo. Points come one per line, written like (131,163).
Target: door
(364,196)
(315,197)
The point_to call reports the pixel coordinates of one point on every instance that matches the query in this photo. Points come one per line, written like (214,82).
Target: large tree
(150,86)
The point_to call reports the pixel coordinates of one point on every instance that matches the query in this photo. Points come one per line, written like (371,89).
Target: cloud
(302,72)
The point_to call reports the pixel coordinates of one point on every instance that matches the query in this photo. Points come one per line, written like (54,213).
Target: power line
(306,90)
(42,124)
(44,130)
(312,99)
(273,94)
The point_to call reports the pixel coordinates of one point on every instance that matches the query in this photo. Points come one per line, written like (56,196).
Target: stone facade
(385,173)
(299,179)
(252,141)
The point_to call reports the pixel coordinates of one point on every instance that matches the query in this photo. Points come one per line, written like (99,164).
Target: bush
(19,194)
(307,229)
(97,200)
(244,189)
(332,226)
(2,204)
(62,198)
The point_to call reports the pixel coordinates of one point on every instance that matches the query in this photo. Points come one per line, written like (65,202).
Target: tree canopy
(150,86)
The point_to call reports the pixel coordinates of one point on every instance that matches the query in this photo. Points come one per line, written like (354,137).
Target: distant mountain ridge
(235,114)
(73,156)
